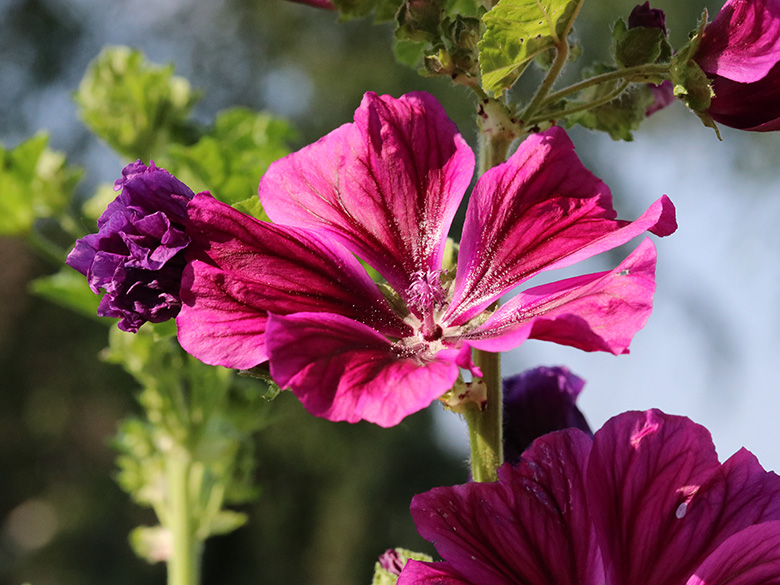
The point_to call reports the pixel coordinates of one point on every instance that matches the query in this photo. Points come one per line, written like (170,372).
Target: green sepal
(691,84)
(639,46)
(516,32)
(68,289)
(418,20)
(35,182)
(384,577)
(137,107)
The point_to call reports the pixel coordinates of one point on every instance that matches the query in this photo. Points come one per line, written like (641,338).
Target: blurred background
(334,496)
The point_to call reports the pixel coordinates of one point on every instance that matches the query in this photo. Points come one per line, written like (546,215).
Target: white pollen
(681,510)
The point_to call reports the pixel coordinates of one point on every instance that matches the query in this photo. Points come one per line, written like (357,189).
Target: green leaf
(620,117)
(409,53)
(135,106)
(229,159)
(226,521)
(35,182)
(516,32)
(69,289)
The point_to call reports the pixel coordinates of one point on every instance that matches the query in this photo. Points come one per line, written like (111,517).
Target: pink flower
(740,53)
(645,502)
(385,189)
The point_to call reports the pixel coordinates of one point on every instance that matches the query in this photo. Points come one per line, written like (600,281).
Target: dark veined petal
(532,526)
(750,557)
(595,312)
(386,186)
(540,210)
(341,369)
(243,269)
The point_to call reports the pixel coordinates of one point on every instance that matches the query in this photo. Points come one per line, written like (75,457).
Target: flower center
(425,295)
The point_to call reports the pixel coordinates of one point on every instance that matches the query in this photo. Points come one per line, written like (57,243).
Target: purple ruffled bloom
(644,502)
(137,256)
(538,402)
(740,53)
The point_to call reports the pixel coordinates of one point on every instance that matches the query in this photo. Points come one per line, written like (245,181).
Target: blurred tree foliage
(333,496)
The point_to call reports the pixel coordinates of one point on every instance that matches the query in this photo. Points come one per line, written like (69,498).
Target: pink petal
(743,41)
(531,527)
(249,268)
(644,471)
(540,210)
(421,573)
(386,186)
(750,557)
(343,370)
(595,312)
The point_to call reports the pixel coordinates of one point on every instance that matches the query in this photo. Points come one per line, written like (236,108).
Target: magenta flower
(740,53)
(385,189)
(537,402)
(137,256)
(645,502)
(326,4)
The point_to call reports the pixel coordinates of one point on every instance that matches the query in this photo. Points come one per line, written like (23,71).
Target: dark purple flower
(645,502)
(740,53)
(643,15)
(538,402)
(137,256)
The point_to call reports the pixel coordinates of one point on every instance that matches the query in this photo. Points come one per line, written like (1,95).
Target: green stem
(184,562)
(581,107)
(486,426)
(561,56)
(631,74)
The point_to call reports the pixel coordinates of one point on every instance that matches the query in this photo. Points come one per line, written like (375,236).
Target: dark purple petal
(537,402)
(748,106)
(750,557)
(246,269)
(387,186)
(325,4)
(540,210)
(532,526)
(341,369)
(663,95)
(645,469)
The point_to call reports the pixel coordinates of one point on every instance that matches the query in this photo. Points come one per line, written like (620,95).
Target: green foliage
(136,107)
(231,157)
(35,182)
(68,289)
(517,31)
(197,414)
(384,577)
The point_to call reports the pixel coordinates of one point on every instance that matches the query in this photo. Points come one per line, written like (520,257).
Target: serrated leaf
(69,289)
(516,31)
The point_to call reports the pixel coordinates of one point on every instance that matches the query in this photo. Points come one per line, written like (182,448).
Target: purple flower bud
(643,15)
(663,95)
(538,402)
(137,256)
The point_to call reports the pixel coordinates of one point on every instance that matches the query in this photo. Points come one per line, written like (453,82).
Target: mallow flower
(384,189)
(644,502)
(537,402)
(137,256)
(740,54)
